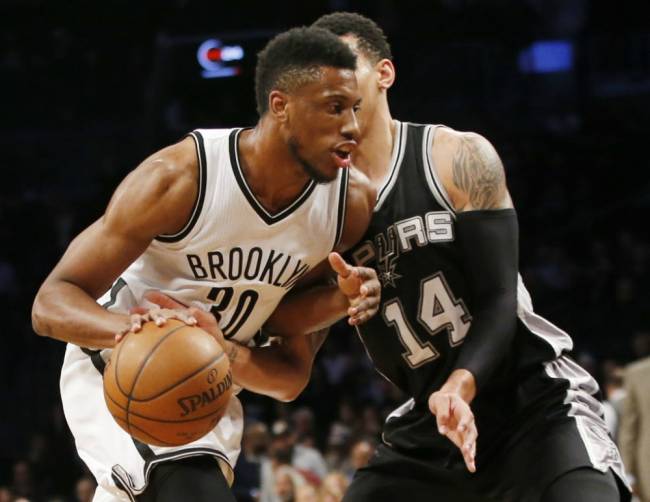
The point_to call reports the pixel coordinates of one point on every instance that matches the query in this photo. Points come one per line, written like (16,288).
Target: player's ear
(386,71)
(278,102)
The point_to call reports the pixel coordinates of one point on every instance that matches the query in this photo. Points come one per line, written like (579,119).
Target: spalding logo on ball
(168,385)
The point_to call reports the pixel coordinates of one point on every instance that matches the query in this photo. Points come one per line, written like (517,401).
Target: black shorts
(520,471)
(193,479)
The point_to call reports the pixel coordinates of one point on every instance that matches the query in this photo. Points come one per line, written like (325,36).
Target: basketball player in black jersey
(456,330)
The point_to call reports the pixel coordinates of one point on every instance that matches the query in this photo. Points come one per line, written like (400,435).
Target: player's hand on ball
(157,314)
(168,308)
(456,421)
(360,285)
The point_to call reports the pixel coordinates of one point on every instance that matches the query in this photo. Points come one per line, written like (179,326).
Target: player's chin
(326,173)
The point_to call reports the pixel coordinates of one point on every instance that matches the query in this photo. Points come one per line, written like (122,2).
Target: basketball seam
(154,419)
(142,365)
(162,443)
(182,380)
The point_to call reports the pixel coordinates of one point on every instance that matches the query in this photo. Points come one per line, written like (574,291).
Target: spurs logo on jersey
(399,238)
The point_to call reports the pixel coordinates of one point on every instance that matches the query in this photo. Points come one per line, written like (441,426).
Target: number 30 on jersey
(438,311)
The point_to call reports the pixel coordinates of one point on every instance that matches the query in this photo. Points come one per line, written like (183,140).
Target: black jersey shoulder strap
(430,172)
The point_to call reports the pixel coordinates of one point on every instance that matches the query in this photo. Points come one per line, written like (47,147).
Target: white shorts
(120,464)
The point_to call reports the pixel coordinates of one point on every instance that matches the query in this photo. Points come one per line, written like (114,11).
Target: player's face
(371,79)
(323,127)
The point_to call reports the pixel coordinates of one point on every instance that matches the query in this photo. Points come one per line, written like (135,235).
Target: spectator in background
(634,434)
(334,487)
(307,493)
(307,462)
(303,425)
(23,482)
(614,396)
(5,494)
(85,489)
(248,470)
(360,454)
(287,482)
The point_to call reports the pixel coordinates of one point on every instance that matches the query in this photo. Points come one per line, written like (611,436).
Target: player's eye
(336,108)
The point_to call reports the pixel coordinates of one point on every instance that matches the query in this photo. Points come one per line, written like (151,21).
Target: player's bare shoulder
(361,197)
(470,170)
(160,193)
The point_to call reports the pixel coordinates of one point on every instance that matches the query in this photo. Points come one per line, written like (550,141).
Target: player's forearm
(267,370)
(489,244)
(65,312)
(308,311)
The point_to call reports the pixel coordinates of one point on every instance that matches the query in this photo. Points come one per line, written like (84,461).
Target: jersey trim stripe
(436,187)
(343,195)
(123,480)
(559,341)
(96,355)
(117,287)
(261,211)
(396,162)
(200,150)
(588,413)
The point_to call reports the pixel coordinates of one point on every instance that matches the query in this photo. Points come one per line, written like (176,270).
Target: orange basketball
(168,385)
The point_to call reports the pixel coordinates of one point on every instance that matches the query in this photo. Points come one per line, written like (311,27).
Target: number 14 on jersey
(438,311)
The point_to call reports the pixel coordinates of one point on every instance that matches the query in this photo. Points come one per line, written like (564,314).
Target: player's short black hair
(294,58)
(370,37)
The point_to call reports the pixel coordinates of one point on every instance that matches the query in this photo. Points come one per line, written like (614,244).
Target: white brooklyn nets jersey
(233,258)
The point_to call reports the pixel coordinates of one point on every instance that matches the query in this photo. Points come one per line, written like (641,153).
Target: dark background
(89,89)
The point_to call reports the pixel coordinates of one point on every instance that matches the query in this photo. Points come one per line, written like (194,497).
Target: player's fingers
(202,317)
(135,323)
(469,462)
(469,447)
(138,310)
(439,404)
(465,418)
(370,288)
(339,265)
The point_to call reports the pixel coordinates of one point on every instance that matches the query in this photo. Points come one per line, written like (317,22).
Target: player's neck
(271,172)
(376,147)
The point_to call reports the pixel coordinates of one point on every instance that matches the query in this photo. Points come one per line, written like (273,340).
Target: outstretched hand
(456,421)
(360,285)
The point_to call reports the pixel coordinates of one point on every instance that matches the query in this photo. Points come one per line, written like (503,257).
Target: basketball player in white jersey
(225,221)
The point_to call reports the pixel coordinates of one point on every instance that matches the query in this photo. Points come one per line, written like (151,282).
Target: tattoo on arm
(478,172)
(232,352)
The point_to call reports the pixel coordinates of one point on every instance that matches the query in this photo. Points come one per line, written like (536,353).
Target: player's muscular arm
(315,304)
(281,370)
(156,198)
(487,235)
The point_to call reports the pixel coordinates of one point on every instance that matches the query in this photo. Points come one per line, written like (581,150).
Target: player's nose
(351,129)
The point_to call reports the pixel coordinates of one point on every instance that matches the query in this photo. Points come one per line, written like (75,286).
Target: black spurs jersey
(537,396)
(425,311)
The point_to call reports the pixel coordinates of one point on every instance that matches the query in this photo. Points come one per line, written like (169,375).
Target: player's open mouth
(342,158)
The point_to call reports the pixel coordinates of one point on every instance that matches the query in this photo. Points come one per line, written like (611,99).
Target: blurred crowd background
(561,87)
